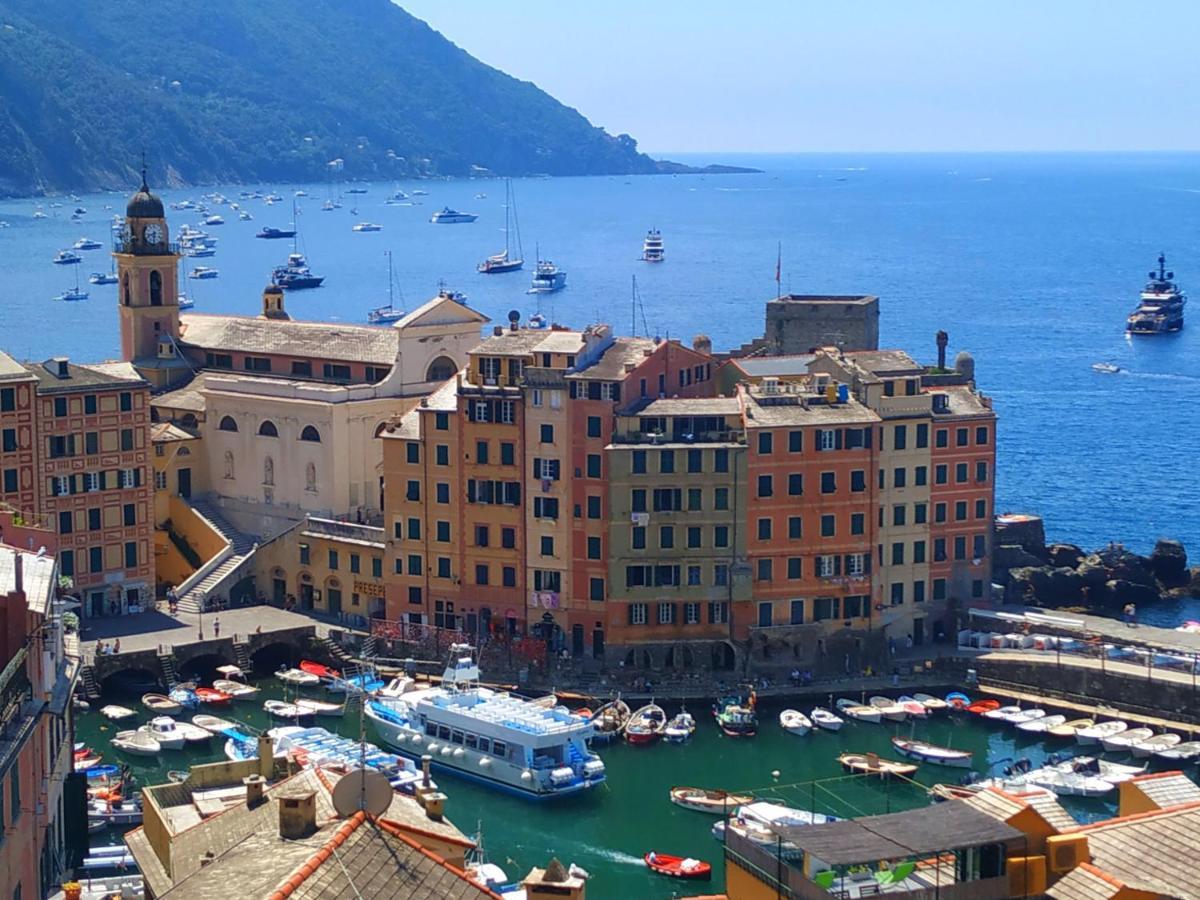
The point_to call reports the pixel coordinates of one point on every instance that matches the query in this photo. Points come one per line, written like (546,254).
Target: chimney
(498,330)
(273,303)
(553,881)
(18,573)
(266,755)
(702,343)
(298,816)
(254,789)
(942,340)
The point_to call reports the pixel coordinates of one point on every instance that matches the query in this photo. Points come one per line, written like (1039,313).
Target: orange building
(19,479)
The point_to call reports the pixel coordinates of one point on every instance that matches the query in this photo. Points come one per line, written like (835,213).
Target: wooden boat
(1001,713)
(795,722)
(858,711)
(83,763)
(932,753)
(609,720)
(1040,724)
(213,696)
(716,802)
(297,677)
(236,689)
(118,713)
(1123,741)
(1150,746)
(681,727)
(957,701)
(321,671)
(931,703)
(646,725)
(889,708)
(979,707)
(212,724)
(1093,734)
(161,703)
(823,718)
(914,707)
(678,866)
(1025,715)
(1069,728)
(104,772)
(185,696)
(136,743)
(288,711)
(873,764)
(321,707)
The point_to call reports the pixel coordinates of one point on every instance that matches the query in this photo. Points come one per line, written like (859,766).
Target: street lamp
(202,599)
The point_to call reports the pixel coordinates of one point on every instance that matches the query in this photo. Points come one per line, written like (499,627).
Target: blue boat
(321,747)
(104,771)
(185,697)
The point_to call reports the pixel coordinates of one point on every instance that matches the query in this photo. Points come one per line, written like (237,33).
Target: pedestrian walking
(216,627)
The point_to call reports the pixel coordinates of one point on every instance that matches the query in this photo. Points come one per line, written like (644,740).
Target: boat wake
(612,855)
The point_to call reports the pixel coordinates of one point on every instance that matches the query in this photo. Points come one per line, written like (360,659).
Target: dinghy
(1093,734)
(708,801)
(646,725)
(1067,730)
(192,733)
(297,677)
(118,713)
(680,728)
(212,724)
(1122,741)
(161,703)
(872,764)
(858,711)
(1153,745)
(760,822)
(980,707)
(823,718)
(889,708)
(236,689)
(185,696)
(931,703)
(795,722)
(957,701)
(137,743)
(678,866)
(609,720)
(932,753)
(1025,715)
(83,763)
(321,707)
(104,773)
(914,707)
(290,711)
(1001,713)
(321,671)
(1185,752)
(1041,724)
(213,696)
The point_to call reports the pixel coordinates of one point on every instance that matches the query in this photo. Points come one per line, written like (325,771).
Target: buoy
(774,773)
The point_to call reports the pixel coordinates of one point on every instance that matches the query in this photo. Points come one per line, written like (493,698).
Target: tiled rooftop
(11,370)
(81,377)
(611,365)
(37,575)
(766,366)
(1167,788)
(692,406)
(762,412)
(885,362)
(311,340)
(1150,851)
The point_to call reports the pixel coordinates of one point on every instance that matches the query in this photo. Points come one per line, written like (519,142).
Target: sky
(857,75)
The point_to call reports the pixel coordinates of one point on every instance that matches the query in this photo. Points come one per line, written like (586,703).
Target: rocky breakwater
(1063,575)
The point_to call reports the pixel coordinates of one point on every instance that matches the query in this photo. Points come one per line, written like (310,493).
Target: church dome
(143,204)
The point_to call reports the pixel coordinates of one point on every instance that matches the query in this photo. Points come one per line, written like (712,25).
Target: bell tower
(147,264)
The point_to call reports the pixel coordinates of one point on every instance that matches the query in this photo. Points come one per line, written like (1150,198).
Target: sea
(1029,262)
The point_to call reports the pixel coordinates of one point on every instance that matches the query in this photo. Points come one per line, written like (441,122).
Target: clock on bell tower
(147,265)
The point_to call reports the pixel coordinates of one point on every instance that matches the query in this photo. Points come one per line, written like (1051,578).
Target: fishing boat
(981,707)
(280,709)
(448,216)
(366,226)
(87,243)
(858,711)
(609,720)
(957,701)
(163,729)
(118,713)
(708,801)
(678,866)
(681,728)
(237,690)
(1184,752)
(889,708)
(652,247)
(931,703)
(203,273)
(736,716)
(1151,746)
(212,724)
(387,315)
(913,707)
(872,764)
(512,257)
(547,278)
(795,722)
(932,753)
(185,696)
(1123,741)
(274,234)
(321,707)
(1096,733)
(646,725)
(160,703)
(1069,728)
(213,696)
(1041,724)
(1001,713)
(297,677)
(311,747)
(823,718)
(66,258)
(137,742)
(492,737)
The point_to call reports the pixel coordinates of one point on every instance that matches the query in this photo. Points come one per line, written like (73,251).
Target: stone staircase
(87,679)
(335,650)
(220,573)
(241,654)
(166,665)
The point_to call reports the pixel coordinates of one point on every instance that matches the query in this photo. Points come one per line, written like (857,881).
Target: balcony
(344,531)
(706,437)
(138,248)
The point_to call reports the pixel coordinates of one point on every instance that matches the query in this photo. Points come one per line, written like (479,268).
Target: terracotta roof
(1004,805)
(165,432)
(1051,810)
(84,377)
(441,310)
(611,364)
(37,576)
(312,340)
(1167,789)
(1149,851)
(1085,882)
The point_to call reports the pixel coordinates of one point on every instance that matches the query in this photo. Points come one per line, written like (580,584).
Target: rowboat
(979,707)
(212,724)
(708,801)
(281,710)
(1101,768)
(736,716)
(1095,733)
(118,713)
(931,703)
(932,753)
(321,707)
(1025,715)
(236,689)
(646,725)
(128,812)
(681,727)
(795,722)
(872,764)
(104,772)
(213,696)
(889,708)
(1070,784)
(823,718)
(1184,752)
(1145,748)
(321,671)
(1001,713)
(914,707)
(161,703)
(192,733)
(1040,724)
(83,763)
(1069,729)
(137,743)
(678,866)
(858,711)
(297,677)
(1124,740)
(609,720)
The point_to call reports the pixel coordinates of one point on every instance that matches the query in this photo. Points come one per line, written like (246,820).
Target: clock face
(153,233)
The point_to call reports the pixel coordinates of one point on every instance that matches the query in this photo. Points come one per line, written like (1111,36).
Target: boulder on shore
(1064,555)
(1168,561)
(1125,565)
(1121,592)
(1013,556)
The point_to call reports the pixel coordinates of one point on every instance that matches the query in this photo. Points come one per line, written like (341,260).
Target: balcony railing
(121,245)
(704,437)
(348,531)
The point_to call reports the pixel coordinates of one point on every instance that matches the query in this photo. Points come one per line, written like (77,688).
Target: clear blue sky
(872,75)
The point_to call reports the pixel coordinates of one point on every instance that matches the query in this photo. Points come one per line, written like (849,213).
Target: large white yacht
(520,746)
(652,247)
(1162,303)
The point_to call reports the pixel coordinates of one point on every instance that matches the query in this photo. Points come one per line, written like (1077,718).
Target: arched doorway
(723,657)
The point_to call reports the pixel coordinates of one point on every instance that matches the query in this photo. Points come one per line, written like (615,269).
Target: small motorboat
(192,733)
(1070,784)
(981,707)
(1040,724)
(681,727)
(185,696)
(823,718)
(1001,713)
(708,801)
(202,272)
(931,703)
(957,701)
(212,724)
(321,707)
(736,715)
(87,243)
(858,711)
(889,708)
(165,730)
(1096,733)
(1123,741)
(609,720)
(66,258)
(236,689)
(289,711)
(137,743)
(1069,728)
(118,713)
(646,725)
(213,696)
(1025,715)
(161,703)
(795,722)
(366,226)
(87,761)
(104,773)
(914,707)
(297,677)
(873,764)
(760,822)
(103,278)
(932,753)
(1151,746)
(108,813)
(1185,752)
(1106,368)
(678,866)
(213,219)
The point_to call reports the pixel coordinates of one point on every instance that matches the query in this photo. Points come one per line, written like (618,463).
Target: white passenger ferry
(510,743)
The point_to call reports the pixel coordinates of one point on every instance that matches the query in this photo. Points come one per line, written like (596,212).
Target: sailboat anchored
(295,275)
(386,315)
(75,293)
(506,261)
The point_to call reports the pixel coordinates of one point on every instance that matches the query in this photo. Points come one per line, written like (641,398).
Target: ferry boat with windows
(506,742)
(1161,309)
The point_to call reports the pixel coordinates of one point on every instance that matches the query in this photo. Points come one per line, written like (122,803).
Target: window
(593,548)
(12,481)
(898,594)
(593,507)
(10,440)
(355,563)
(311,435)
(507,453)
(939,589)
(721,498)
(131,556)
(545,507)
(981,471)
(920,513)
(795,569)
(638,462)
(765,443)
(547,434)
(442,532)
(414,528)
(900,437)
(960,511)
(91,444)
(718,613)
(667,500)
(693,576)
(593,465)
(695,499)
(960,437)
(856,564)
(721,575)
(14,793)
(825,608)
(442,491)
(695,461)
(960,547)
(826,439)
(939,512)
(899,512)
(508,538)
(268,429)
(666,613)
(898,553)
(922,436)
(795,528)
(693,536)
(334,372)
(721,460)
(66,562)
(721,536)
(637,500)
(413,452)
(858,481)
(508,576)
(376,567)
(766,486)
(60,406)
(981,435)
(960,473)
(66,521)
(940,474)
(413,490)
(481,574)
(828,482)
(593,426)
(826,566)
(795,441)
(918,592)
(666,461)
(637,613)
(8,400)
(828,526)
(899,477)
(942,437)
(596,589)
(764,529)
(441,421)
(918,552)
(95,559)
(981,509)
(441,455)
(691,613)
(920,475)
(129,514)
(764,614)
(858,523)
(546,545)
(939,549)
(638,537)
(978,546)
(481,452)
(481,535)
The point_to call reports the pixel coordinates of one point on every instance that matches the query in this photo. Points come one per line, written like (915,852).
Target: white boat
(1025,715)
(318,747)
(1106,368)
(1001,713)
(652,247)
(795,722)
(212,724)
(387,315)
(448,216)
(118,713)
(757,821)
(136,742)
(66,258)
(1185,752)
(492,737)
(163,729)
(160,703)
(1100,768)
(110,814)
(320,707)
(213,220)
(823,718)
(366,226)
(931,703)
(1070,785)
(103,278)
(244,216)
(932,753)
(1122,741)
(889,708)
(716,802)
(199,250)
(1041,724)
(280,709)
(681,727)
(1098,732)
(202,272)
(298,677)
(87,243)
(1153,745)
(547,278)
(512,257)
(858,711)
(192,733)
(238,690)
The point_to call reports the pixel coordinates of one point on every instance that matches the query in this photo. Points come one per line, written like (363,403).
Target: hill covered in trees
(266,90)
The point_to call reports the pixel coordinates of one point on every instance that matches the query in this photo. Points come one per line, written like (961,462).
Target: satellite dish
(514,316)
(362,789)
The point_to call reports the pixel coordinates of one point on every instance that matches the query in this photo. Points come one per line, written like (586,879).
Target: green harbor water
(608,830)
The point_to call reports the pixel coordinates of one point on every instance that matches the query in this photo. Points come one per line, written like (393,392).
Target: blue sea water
(1030,262)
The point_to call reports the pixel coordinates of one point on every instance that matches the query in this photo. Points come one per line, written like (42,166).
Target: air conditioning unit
(1066,851)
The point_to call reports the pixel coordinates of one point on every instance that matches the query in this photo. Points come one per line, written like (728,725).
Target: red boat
(315,668)
(979,707)
(213,696)
(678,866)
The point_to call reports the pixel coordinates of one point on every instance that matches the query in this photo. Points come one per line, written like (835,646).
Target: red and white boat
(979,707)
(678,866)
(321,671)
(646,725)
(213,696)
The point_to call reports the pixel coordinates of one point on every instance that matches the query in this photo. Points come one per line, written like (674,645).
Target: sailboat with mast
(295,275)
(387,315)
(75,293)
(512,258)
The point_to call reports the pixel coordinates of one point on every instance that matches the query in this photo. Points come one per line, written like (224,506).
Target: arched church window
(155,288)
(227,424)
(441,369)
(268,429)
(310,433)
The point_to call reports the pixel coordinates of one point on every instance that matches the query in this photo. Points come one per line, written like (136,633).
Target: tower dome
(143,204)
